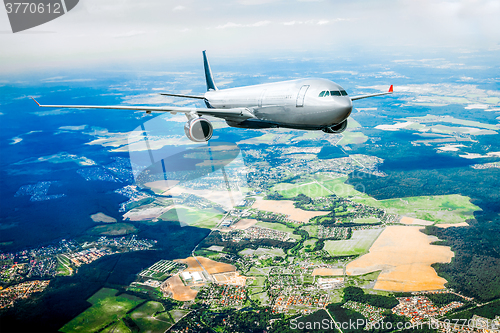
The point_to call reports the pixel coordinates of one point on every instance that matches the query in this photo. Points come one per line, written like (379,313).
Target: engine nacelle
(338,128)
(199,129)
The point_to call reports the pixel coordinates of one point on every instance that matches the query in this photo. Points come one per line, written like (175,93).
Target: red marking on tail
(391,89)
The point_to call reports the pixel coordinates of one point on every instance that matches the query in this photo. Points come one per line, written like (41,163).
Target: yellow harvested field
(233,278)
(404,255)
(447,225)
(178,291)
(328,271)
(286,207)
(211,266)
(243,224)
(411,220)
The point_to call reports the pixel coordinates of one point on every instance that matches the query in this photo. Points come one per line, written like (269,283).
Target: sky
(119,32)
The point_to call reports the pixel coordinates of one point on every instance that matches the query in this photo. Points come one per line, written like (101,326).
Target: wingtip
(35,101)
(391,89)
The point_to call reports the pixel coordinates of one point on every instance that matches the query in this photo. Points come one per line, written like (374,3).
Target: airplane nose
(345,107)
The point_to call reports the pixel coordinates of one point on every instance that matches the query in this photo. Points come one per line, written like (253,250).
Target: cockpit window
(332,93)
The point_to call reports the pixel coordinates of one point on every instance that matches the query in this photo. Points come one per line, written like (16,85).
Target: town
(63,258)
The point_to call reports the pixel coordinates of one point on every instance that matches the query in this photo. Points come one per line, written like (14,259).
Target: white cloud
(100,33)
(477,106)
(394,127)
(260,24)
(62,79)
(441,63)
(256,2)
(130,33)
(444,94)
(475,155)
(342,72)
(239,25)
(315,21)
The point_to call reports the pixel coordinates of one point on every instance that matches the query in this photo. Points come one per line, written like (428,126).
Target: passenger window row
(332,93)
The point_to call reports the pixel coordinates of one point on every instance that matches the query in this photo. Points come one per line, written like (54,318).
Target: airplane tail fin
(208,74)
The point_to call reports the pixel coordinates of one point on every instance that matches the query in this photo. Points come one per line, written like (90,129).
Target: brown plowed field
(404,255)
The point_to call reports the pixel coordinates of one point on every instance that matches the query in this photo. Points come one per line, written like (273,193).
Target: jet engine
(338,128)
(198,129)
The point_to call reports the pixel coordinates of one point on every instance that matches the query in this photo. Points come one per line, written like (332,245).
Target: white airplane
(307,104)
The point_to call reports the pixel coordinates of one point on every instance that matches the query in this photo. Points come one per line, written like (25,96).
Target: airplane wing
(373,95)
(235,114)
(184,96)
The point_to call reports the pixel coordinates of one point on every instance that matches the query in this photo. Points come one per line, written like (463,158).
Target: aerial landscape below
(394,220)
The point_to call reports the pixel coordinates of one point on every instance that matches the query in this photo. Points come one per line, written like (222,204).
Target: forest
(357,294)
(475,269)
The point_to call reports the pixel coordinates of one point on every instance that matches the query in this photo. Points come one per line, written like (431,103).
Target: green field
(102,294)
(310,188)
(274,226)
(118,327)
(312,230)
(453,208)
(257,294)
(63,265)
(106,308)
(177,314)
(309,244)
(258,281)
(258,271)
(260,251)
(145,318)
(349,138)
(317,187)
(272,252)
(360,243)
(207,218)
(248,252)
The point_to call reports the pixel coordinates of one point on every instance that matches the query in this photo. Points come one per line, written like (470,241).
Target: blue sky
(100,32)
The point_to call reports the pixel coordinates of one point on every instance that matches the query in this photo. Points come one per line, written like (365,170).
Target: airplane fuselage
(292,104)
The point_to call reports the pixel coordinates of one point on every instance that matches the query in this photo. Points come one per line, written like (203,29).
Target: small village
(63,258)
